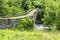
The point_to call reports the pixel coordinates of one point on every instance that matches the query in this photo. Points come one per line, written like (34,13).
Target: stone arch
(35,14)
(38,16)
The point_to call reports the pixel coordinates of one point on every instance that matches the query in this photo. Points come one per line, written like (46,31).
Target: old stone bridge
(10,22)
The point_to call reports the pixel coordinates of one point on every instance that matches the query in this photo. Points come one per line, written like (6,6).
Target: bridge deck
(29,14)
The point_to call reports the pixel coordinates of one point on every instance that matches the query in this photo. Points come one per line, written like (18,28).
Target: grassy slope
(24,35)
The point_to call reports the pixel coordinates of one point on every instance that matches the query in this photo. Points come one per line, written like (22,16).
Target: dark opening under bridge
(10,22)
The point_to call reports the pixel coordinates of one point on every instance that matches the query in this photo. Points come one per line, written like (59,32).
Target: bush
(11,7)
(25,24)
(51,14)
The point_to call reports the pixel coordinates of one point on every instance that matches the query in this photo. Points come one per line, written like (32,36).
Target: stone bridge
(10,22)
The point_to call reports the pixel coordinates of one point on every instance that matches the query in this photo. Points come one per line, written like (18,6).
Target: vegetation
(15,7)
(51,10)
(10,7)
(51,14)
(25,24)
(25,35)
(51,18)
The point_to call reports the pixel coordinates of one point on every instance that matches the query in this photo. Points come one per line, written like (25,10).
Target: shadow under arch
(38,17)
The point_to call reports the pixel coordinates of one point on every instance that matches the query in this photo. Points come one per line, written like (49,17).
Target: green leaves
(25,24)
(51,14)
(10,7)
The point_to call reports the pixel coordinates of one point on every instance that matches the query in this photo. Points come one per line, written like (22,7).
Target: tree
(51,14)
(3,10)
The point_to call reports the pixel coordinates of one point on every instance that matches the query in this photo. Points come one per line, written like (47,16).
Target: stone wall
(8,23)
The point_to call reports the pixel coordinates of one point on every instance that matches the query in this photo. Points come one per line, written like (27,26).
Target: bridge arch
(38,16)
(11,21)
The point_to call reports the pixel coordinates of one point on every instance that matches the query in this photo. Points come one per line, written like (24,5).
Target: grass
(27,35)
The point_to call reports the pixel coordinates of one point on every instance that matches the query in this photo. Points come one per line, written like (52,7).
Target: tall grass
(27,35)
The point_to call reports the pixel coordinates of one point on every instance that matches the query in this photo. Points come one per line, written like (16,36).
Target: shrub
(25,24)
(51,14)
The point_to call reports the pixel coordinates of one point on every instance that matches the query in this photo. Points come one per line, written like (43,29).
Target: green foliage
(27,35)
(51,9)
(10,7)
(35,4)
(51,14)
(3,10)
(16,7)
(25,24)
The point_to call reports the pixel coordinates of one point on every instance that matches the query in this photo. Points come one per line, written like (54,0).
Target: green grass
(25,35)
